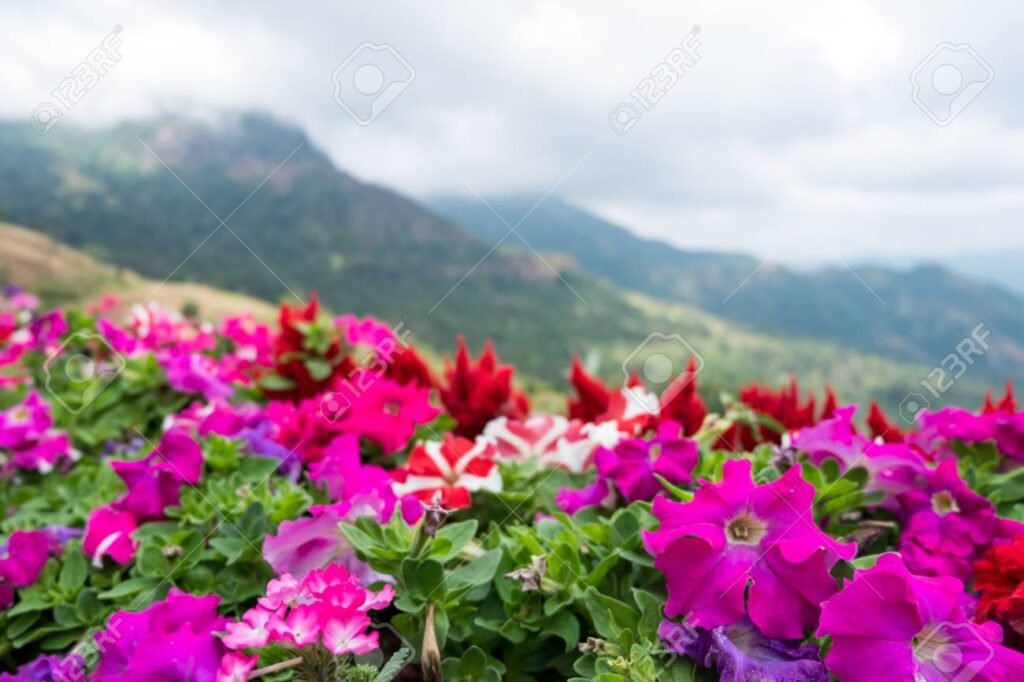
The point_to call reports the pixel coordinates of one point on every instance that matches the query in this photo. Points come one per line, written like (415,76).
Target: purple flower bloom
(633,463)
(736,535)
(740,653)
(194,373)
(888,625)
(597,494)
(171,640)
(48,669)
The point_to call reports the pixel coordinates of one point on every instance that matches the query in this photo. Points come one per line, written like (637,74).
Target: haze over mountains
(293,222)
(919,314)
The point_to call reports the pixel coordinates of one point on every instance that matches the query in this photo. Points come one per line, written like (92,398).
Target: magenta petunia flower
(633,463)
(194,373)
(892,468)
(154,482)
(171,640)
(947,526)
(23,556)
(27,438)
(736,535)
(740,653)
(386,412)
(888,625)
(108,532)
(597,494)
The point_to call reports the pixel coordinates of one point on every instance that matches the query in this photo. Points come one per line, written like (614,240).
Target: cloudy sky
(795,134)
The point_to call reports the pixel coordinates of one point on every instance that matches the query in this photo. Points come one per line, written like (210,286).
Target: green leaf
(130,587)
(318,369)
(476,572)
(75,569)
(458,534)
(565,626)
(428,580)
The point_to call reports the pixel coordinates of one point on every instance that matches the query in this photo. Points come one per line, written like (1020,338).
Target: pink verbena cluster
(328,607)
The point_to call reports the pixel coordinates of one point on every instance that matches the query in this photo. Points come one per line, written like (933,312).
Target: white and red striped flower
(554,440)
(531,437)
(449,471)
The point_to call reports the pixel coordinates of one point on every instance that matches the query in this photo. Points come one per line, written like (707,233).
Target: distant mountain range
(1004,268)
(919,314)
(296,222)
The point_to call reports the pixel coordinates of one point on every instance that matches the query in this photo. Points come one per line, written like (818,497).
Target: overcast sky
(794,136)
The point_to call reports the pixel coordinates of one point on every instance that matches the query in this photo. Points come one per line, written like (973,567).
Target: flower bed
(309,500)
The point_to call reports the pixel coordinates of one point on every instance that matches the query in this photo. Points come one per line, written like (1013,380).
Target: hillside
(916,315)
(60,275)
(368,250)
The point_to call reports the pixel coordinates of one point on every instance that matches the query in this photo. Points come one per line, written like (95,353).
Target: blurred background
(822,190)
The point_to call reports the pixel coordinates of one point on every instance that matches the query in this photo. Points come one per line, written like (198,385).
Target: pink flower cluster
(329,606)
(28,440)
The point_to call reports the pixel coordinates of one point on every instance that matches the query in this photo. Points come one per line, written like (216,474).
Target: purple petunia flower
(48,669)
(633,463)
(740,653)
(888,625)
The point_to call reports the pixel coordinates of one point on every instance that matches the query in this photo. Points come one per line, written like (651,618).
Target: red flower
(407,367)
(592,396)
(1007,404)
(478,392)
(292,357)
(683,404)
(783,406)
(447,472)
(999,577)
(881,427)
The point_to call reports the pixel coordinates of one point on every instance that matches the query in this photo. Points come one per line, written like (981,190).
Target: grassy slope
(65,276)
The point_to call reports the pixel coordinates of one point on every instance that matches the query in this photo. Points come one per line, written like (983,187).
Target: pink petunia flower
(948,526)
(888,625)
(108,532)
(892,468)
(27,438)
(449,471)
(736,535)
(155,481)
(386,412)
(23,556)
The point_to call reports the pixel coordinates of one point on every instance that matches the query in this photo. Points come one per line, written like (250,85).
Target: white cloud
(795,135)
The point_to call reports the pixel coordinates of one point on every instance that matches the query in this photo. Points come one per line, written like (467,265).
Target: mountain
(917,315)
(1003,268)
(295,223)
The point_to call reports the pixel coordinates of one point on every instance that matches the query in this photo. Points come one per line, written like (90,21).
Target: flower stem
(282,665)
